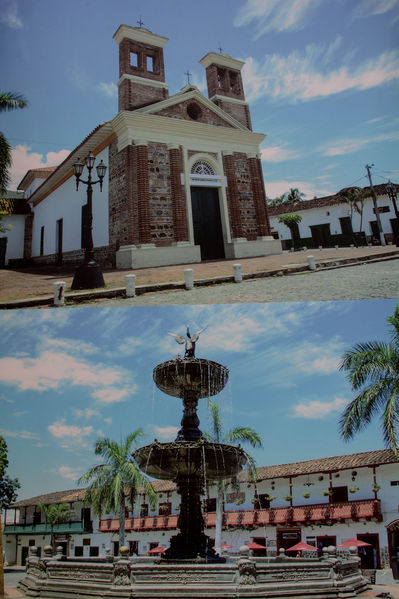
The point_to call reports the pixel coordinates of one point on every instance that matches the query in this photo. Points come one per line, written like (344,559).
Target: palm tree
(8,101)
(238,434)
(291,221)
(116,480)
(294,195)
(373,367)
(354,197)
(55,514)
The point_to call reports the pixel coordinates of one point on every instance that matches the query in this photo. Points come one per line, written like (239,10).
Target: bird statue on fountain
(189,341)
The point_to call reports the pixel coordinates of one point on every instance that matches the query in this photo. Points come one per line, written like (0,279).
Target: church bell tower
(225,88)
(141,67)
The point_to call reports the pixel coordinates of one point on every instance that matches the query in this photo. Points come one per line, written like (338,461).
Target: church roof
(36,173)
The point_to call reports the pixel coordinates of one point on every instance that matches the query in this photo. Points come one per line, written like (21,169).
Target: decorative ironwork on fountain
(190,459)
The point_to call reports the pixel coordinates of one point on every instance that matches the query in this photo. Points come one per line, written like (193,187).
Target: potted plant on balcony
(287,497)
(239,501)
(271,497)
(306,494)
(255,500)
(327,492)
(353,489)
(376,487)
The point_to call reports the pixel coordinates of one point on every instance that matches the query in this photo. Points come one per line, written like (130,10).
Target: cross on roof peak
(188,75)
(140,22)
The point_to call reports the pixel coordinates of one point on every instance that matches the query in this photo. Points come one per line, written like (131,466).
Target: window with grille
(202,168)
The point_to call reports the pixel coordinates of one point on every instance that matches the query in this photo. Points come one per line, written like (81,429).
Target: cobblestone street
(364,281)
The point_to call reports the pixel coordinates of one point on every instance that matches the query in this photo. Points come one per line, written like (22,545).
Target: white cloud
(109,89)
(312,358)
(114,395)
(20,434)
(311,189)
(129,345)
(348,145)
(298,76)
(278,153)
(367,8)
(10,15)
(165,432)
(86,413)
(315,410)
(60,430)
(274,15)
(69,473)
(54,370)
(23,160)
(71,345)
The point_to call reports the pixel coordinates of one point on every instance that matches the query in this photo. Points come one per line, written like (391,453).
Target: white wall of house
(66,203)
(15,236)
(37,181)
(331,215)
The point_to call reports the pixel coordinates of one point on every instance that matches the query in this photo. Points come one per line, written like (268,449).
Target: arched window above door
(201,167)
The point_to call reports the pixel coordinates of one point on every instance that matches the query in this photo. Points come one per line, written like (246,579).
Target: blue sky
(321,77)
(68,376)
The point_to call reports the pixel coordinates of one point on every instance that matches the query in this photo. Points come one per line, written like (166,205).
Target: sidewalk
(33,286)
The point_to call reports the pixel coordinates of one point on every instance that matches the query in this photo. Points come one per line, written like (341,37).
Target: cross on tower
(140,22)
(220,48)
(188,75)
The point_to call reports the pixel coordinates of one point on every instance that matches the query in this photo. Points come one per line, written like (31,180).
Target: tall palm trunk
(1,561)
(122,523)
(219,519)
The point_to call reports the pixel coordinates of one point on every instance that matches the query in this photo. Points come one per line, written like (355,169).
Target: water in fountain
(190,459)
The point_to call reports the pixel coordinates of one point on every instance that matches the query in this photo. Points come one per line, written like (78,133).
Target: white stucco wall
(15,236)
(332,214)
(66,203)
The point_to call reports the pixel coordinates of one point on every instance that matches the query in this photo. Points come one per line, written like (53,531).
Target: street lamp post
(392,193)
(88,275)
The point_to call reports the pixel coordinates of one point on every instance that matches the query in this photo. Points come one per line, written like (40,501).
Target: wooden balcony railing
(318,513)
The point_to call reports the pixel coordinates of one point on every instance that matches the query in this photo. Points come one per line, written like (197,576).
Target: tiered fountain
(186,569)
(190,460)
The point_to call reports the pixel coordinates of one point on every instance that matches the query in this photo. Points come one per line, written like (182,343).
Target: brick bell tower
(225,88)
(141,67)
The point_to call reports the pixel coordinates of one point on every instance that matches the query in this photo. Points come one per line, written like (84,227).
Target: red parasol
(156,550)
(354,543)
(302,547)
(254,545)
(225,546)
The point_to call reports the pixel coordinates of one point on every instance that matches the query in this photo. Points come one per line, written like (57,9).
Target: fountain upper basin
(194,376)
(169,461)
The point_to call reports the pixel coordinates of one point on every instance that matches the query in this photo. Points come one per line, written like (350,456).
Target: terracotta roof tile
(13,203)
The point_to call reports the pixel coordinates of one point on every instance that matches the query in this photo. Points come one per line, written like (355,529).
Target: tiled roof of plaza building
(330,464)
(331,200)
(13,202)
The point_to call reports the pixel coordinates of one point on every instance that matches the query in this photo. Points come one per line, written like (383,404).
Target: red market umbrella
(225,546)
(302,547)
(354,543)
(156,550)
(254,545)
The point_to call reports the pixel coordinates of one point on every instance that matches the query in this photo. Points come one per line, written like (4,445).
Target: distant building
(323,502)
(16,214)
(184,180)
(327,221)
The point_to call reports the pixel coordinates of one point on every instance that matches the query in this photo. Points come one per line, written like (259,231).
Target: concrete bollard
(237,273)
(311,262)
(320,247)
(59,293)
(189,278)
(130,281)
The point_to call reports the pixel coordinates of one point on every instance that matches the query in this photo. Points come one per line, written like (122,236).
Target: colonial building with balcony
(323,502)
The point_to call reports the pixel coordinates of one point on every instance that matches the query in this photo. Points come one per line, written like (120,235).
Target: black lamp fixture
(391,190)
(88,275)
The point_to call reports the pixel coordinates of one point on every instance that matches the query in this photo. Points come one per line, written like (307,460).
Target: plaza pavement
(384,584)
(30,287)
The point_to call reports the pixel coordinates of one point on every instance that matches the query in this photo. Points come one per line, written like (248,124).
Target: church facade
(184,181)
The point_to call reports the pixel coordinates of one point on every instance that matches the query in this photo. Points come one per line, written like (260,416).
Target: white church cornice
(143,81)
(132,125)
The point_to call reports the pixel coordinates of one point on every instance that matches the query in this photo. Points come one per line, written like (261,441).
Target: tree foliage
(54,514)
(289,197)
(8,486)
(354,197)
(373,368)
(117,480)
(8,101)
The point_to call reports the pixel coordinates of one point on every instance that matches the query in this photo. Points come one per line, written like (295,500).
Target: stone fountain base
(125,578)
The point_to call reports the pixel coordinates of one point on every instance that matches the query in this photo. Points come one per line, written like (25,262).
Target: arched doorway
(205,207)
(393,547)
